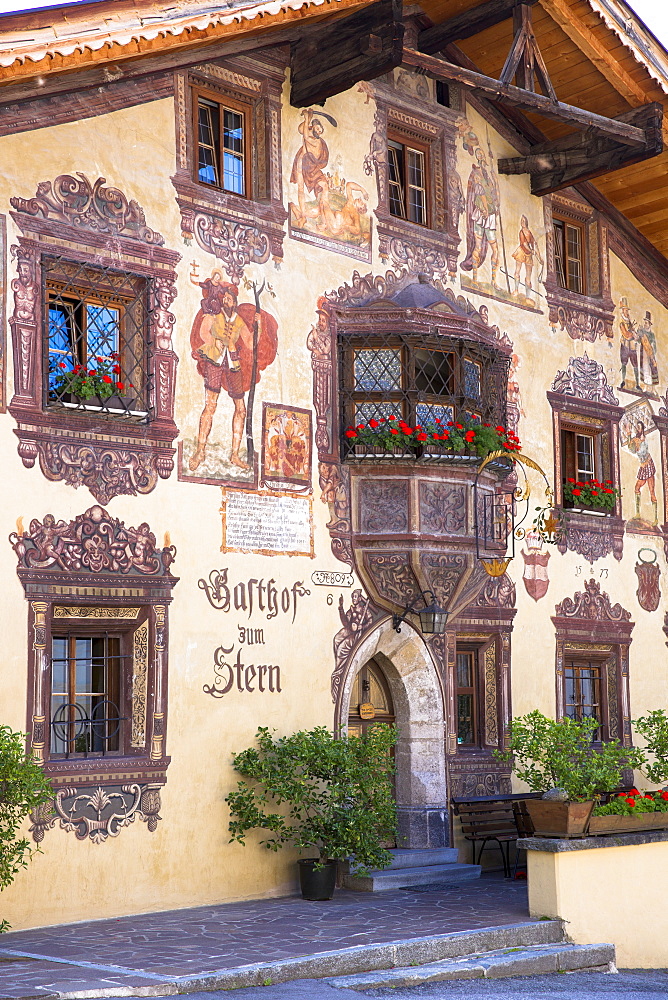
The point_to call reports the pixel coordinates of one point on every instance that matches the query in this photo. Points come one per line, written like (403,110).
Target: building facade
(204,286)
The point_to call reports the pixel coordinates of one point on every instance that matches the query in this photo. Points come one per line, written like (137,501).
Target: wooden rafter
(525,100)
(465,25)
(573,159)
(332,59)
(524,61)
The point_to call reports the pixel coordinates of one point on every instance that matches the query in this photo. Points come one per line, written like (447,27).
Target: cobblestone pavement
(154,949)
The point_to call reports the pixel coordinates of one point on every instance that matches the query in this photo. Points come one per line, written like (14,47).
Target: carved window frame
(62,585)
(236,229)
(65,220)
(586,315)
(589,626)
(592,535)
(432,248)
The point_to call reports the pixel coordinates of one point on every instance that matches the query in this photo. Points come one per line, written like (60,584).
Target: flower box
(559,819)
(95,404)
(599,825)
(595,511)
(380,454)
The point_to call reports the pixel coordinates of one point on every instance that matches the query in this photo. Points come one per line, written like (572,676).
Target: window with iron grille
(222,132)
(97,350)
(583,691)
(88,680)
(420,379)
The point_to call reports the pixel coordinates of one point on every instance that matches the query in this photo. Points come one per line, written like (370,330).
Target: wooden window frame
(581,660)
(477,689)
(239,107)
(411,143)
(581,228)
(118,693)
(601,452)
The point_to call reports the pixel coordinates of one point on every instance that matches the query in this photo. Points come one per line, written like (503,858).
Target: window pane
(574,256)
(464,670)
(103,329)
(434,372)
(465,733)
(233,173)
(364,412)
(59,666)
(416,186)
(584,450)
(377,371)
(208,141)
(395,167)
(429,413)
(559,252)
(472,378)
(233,131)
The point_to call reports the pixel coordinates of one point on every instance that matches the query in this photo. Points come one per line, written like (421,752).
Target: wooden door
(370,688)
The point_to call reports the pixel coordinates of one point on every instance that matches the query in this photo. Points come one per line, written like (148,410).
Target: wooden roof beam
(525,100)
(467,24)
(573,159)
(332,59)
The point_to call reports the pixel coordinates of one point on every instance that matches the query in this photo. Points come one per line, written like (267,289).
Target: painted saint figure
(222,345)
(646,470)
(628,343)
(526,253)
(309,163)
(482,212)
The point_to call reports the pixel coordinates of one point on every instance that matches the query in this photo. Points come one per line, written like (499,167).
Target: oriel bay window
(422,380)
(222,142)
(96,343)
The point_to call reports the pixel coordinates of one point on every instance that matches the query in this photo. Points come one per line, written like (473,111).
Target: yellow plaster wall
(612,894)
(188,861)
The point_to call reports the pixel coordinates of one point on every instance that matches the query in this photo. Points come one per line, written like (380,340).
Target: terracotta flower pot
(559,819)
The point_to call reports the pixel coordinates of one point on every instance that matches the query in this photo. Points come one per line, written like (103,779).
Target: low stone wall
(606,889)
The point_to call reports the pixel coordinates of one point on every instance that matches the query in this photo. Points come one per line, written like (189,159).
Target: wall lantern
(433,618)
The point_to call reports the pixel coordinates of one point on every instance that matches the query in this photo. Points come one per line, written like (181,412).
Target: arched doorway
(370,700)
(412,698)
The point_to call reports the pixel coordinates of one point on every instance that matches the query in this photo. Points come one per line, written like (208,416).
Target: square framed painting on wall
(286,447)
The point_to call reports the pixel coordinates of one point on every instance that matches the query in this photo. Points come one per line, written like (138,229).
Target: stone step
(405,858)
(533,960)
(392,955)
(404,878)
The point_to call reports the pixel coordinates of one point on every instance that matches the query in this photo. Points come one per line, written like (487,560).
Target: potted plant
(23,788)
(392,436)
(318,793)
(559,759)
(99,386)
(630,812)
(590,495)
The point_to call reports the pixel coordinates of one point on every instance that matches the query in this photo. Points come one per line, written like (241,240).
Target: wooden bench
(493,821)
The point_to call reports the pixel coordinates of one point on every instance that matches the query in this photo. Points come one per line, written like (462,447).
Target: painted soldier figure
(527,251)
(646,470)
(647,342)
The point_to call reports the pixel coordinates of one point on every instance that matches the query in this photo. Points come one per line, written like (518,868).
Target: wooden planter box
(559,819)
(383,454)
(627,824)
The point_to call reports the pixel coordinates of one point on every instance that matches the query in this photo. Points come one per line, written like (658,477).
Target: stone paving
(155,949)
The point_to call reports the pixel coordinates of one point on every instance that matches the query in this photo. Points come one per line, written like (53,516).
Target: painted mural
(327,207)
(637,352)
(511,276)
(286,446)
(231,343)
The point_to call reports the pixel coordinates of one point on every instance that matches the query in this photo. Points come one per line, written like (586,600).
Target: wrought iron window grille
(97,344)
(81,734)
(427,379)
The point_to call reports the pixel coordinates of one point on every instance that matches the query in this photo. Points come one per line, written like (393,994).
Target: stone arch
(418,704)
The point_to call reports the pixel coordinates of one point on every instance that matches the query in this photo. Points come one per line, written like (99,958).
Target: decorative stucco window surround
(92,227)
(236,229)
(590,315)
(432,248)
(485,626)
(94,576)
(589,627)
(583,402)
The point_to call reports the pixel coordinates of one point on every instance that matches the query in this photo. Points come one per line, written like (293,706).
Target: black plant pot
(317,883)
